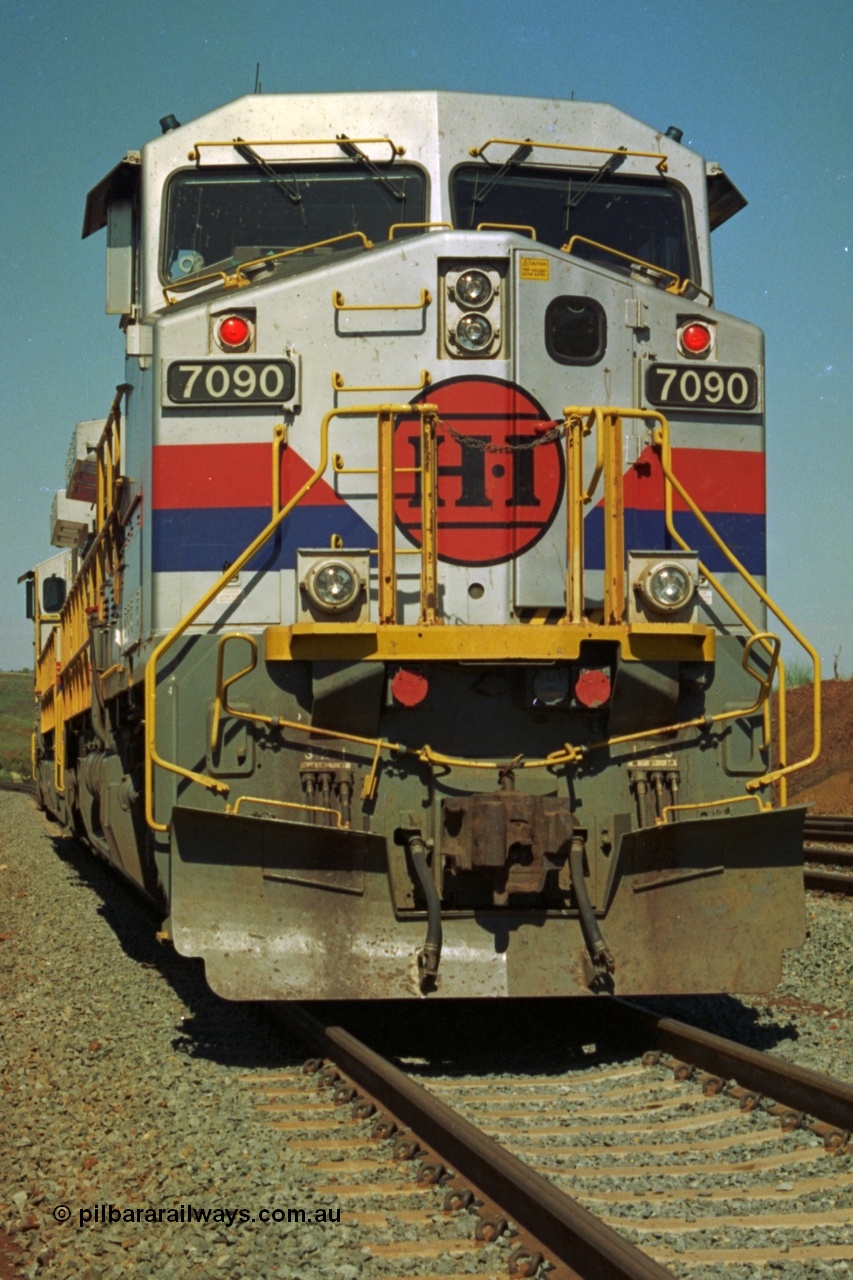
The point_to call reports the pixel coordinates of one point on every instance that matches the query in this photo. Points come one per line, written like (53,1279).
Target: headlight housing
(474,332)
(473,288)
(664,586)
(667,586)
(332,585)
(472,305)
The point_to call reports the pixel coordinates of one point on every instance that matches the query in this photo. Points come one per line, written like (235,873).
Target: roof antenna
(257,77)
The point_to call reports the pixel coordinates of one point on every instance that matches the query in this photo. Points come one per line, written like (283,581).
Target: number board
(697,386)
(230,382)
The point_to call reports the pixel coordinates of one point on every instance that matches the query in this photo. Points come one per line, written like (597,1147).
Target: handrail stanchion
(574,519)
(387,558)
(429,520)
(610,424)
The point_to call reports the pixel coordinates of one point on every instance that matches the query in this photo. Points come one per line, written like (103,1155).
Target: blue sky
(762,86)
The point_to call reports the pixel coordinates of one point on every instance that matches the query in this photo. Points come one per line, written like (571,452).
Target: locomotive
(408,632)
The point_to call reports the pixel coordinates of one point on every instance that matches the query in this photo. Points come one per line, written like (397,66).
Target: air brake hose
(430,954)
(602,957)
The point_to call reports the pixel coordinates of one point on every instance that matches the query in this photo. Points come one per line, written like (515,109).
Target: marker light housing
(234,333)
(695,338)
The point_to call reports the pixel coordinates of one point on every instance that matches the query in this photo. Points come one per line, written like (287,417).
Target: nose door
(573,345)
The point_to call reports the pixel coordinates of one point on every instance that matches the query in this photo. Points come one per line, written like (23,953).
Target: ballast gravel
(120,1077)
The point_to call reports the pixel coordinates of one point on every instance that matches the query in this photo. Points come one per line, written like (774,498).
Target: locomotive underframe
(283,898)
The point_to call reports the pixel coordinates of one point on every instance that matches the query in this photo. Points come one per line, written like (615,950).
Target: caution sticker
(535,269)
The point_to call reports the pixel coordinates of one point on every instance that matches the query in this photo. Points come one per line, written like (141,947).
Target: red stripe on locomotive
(193,476)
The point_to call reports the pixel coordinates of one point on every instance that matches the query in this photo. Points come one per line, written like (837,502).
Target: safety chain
(474,442)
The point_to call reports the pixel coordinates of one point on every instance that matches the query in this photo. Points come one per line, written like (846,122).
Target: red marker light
(695,338)
(409,687)
(234,332)
(593,688)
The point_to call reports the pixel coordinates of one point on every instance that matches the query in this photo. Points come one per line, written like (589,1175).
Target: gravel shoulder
(118,1072)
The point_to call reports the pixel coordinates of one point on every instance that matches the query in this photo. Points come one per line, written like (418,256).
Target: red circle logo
(496,497)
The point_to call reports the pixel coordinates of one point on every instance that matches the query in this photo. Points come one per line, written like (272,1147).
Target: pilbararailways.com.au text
(110,1214)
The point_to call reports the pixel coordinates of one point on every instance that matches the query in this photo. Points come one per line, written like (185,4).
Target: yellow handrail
(708,804)
(579,422)
(287,804)
(220,702)
(73,688)
(507,226)
(302,248)
(338,384)
(279,441)
(152,756)
(679,286)
(237,279)
(424,226)
(662,441)
(574,414)
(661,166)
(340,304)
(567,754)
(195,153)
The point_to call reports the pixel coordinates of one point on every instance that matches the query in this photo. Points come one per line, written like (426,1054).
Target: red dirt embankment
(828,783)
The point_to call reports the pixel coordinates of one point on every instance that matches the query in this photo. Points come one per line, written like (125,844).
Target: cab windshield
(217,218)
(644,217)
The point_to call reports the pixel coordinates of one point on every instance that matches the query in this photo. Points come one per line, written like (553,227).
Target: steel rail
(830,854)
(829,881)
(831,826)
(590,1249)
(810,1092)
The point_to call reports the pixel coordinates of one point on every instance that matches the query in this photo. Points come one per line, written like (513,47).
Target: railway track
(701,1159)
(695,1152)
(829,826)
(828,853)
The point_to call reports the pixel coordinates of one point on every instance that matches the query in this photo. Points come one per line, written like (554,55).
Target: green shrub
(797,673)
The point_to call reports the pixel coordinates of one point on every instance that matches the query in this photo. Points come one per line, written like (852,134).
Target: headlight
(333,585)
(473,289)
(474,333)
(667,586)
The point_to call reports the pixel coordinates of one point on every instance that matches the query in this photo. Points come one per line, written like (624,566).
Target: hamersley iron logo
(496,495)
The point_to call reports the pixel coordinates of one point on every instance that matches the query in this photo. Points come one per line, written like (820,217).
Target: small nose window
(575,330)
(53,594)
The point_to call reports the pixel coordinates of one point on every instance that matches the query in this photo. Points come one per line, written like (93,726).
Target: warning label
(534,269)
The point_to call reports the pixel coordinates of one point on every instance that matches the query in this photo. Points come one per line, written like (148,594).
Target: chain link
(483,446)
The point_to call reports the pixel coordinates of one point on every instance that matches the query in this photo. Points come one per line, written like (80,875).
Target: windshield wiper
(518,157)
(611,164)
(291,190)
(355,153)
